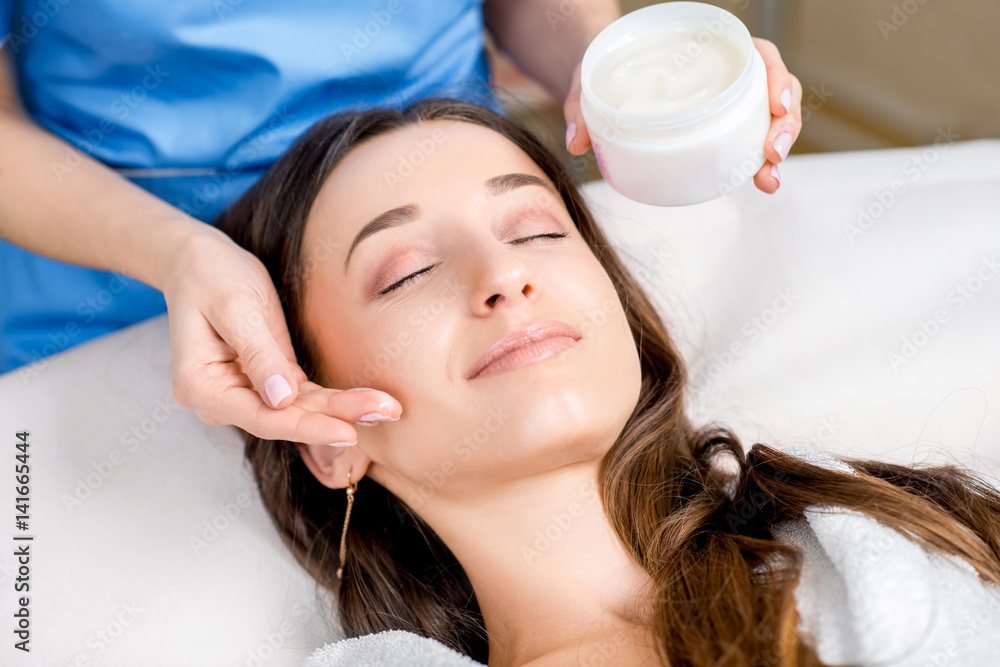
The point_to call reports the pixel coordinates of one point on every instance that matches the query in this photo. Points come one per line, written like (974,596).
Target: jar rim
(650,19)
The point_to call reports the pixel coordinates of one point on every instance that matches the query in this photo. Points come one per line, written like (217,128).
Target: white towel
(870,596)
(867,597)
(391,648)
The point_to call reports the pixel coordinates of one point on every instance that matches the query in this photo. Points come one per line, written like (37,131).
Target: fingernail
(570,133)
(363,389)
(783,144)
(340,446)
(774,173)
(373,418)
(386,404)
(786,99)
(276,388)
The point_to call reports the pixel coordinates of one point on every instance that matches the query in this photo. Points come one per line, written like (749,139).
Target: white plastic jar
(676,103)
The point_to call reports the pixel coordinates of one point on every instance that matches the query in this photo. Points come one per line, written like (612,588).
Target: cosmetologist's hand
(786,116)
(233,361)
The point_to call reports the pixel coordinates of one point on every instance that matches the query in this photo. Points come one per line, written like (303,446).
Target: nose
(500,278)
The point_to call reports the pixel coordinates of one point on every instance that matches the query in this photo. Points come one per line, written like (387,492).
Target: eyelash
(405,281)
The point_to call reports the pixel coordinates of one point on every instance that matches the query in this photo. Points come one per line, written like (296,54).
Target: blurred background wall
(875,73)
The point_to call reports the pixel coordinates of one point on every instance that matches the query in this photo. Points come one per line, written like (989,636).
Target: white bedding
(125,560)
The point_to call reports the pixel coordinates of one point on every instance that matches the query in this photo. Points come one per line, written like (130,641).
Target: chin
(579,415)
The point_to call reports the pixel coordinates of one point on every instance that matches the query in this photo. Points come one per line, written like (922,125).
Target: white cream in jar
(667,71)
(676,103)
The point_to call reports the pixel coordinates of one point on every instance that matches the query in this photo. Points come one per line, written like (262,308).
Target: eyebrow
(496,186)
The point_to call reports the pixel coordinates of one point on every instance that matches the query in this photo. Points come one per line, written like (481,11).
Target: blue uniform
(193,101)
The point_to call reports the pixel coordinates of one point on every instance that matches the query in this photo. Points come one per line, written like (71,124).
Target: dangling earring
(351,488)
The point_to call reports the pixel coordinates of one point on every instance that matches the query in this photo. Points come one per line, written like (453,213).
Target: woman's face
(429,237)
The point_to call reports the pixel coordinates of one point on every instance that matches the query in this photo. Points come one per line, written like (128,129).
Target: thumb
(262,359)
(577,137)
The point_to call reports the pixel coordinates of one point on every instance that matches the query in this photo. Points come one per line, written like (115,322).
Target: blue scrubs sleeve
(6,9)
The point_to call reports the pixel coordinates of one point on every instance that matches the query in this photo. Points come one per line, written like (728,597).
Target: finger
(768,179)
(366,406)
(577,136)
(203,363)
(779,80)
(784,130)
(247,328)
(209,419)
(242,407)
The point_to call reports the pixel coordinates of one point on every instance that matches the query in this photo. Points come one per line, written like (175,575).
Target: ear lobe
(330,466)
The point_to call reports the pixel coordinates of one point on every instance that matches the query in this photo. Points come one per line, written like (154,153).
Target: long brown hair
(725,584)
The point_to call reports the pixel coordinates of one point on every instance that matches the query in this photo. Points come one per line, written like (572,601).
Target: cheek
(591,290)
(606,322)
(383,351)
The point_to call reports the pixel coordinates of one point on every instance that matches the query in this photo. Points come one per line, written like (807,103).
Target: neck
(549,571)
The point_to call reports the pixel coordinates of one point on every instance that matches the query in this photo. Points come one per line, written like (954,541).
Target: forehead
(423,163)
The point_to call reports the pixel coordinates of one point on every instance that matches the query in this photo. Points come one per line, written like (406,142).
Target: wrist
(175,239)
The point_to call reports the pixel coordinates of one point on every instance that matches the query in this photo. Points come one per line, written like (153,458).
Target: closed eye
(413,276)
(551,235)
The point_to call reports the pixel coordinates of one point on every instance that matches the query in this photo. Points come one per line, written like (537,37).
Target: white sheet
(123,561)
(820,372)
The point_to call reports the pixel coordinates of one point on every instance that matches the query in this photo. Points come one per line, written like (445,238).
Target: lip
(534,333)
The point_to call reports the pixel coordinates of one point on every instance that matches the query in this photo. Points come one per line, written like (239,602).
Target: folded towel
(390,648)
(870,596)
(867,596)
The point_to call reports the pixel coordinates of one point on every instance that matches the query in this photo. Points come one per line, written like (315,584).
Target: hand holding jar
(682,105)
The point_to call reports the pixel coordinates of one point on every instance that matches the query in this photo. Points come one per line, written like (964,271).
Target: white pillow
(151,545)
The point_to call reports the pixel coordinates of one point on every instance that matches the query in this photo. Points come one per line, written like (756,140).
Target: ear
(330,465)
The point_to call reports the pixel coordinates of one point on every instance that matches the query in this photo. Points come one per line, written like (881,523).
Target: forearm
(91,217)
(547,38)
(58,202)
